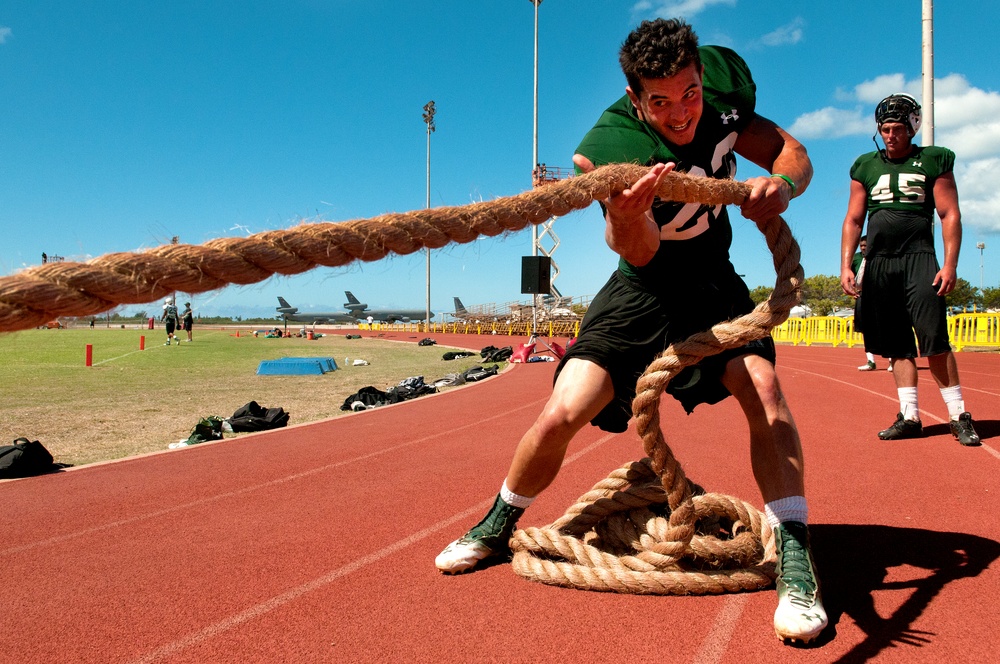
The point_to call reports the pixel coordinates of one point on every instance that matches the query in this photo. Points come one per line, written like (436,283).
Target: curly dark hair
(658,49)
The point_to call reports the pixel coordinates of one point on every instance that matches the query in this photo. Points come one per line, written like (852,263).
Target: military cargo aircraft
(361,311)
(290,313)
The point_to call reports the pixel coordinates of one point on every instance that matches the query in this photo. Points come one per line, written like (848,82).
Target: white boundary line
(715,645)
(256,487)
(294,593)
(924,413)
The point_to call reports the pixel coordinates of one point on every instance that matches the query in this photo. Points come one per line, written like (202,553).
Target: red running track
(315,543)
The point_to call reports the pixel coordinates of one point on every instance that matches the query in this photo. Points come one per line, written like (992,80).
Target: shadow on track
(854,560)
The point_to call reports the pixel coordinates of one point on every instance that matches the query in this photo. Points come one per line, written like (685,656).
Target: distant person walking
(187,320)
(857,265)
(899,189)
(169,318)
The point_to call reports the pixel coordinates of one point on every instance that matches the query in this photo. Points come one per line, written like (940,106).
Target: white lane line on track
(923,412)
(990,450)
(281,480)
(922,373)
(716,643)
(292,594)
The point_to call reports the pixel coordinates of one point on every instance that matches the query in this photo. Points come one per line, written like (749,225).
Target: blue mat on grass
(296,366)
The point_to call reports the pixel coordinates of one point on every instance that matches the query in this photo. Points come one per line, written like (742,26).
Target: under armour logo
(732,115)
(918,164)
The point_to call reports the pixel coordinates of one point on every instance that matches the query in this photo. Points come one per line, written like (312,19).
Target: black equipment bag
(24,458)
(254,417)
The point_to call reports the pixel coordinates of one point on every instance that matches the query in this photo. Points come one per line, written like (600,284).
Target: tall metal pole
(429,111)
(534,165)
(927,50)
(534,149)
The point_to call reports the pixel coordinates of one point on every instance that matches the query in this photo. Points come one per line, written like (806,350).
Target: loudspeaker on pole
(536,274)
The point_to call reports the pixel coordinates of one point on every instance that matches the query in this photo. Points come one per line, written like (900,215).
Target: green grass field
(132,402)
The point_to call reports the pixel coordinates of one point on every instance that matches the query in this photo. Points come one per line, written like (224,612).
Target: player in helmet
(170,318)
(899,189)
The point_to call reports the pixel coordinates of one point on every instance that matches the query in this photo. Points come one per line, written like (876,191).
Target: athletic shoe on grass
(963,431)
(902,428)
(800,615)
(489,538)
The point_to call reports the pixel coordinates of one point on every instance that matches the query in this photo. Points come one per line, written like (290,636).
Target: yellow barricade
(977,330)
(964,330)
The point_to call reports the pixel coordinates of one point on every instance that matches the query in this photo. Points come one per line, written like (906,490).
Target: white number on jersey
(673,229)
(911,188)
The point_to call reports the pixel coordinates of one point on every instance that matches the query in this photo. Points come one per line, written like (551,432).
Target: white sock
(513,499)
(953,399)
(908,403)
(871,358)
(793,508)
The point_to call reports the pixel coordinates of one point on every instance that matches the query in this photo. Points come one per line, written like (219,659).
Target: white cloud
(971,141)
(956,103)
(978,194)
(880,87)
(5,32)
(675,8)
(786,34)
(830,122)
(960,109)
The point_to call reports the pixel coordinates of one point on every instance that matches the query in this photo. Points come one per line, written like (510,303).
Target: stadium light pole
(981,246)
(534,143)
(429,112)
(534,164)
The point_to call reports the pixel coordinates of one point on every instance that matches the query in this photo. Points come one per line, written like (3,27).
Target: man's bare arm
(775,150)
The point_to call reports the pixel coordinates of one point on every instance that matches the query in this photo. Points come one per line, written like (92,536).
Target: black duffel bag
(24,458)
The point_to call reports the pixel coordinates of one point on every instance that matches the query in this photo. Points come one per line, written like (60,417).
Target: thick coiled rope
(646,528)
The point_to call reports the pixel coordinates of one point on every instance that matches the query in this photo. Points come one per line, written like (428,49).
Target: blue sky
(123,124)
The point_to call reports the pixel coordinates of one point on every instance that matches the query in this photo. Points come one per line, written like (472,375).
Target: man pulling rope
(690,109)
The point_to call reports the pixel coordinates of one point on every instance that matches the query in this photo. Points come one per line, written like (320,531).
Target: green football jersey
(694,238)
(901,198)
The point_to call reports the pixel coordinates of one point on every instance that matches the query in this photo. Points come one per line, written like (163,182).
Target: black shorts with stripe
(626,327)
(903,311)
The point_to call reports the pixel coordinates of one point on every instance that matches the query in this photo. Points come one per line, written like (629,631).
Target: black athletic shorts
(900,300)
(170,325)
(626,327)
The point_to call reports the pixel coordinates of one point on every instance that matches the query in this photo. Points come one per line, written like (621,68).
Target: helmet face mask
(900,108)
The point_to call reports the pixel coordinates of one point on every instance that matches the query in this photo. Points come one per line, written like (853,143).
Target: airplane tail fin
(459,307)
(350,298)
(284,304)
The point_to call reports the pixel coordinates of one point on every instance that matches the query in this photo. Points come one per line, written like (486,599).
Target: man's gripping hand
(637,199)
(768,199)
(631,231)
